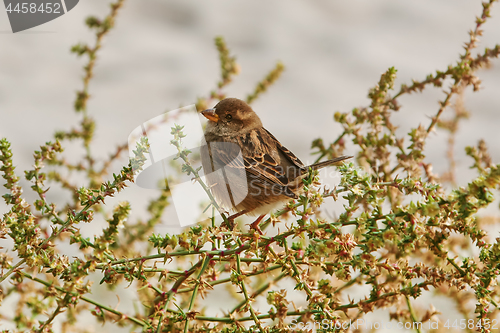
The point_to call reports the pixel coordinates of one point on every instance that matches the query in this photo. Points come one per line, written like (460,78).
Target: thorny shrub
(399,247)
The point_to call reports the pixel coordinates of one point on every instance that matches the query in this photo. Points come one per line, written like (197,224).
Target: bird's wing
(286,152)
(268,160)
(265,164)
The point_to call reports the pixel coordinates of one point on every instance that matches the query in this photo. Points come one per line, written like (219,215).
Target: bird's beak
(210,115)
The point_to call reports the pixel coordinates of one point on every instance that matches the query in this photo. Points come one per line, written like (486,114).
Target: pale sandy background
(160,55)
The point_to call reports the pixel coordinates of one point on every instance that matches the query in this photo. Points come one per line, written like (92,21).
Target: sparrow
(247,169)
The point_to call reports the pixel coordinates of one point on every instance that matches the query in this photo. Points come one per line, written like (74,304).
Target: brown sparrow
(259,173)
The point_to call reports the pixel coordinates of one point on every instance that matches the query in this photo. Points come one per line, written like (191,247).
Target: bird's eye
(229,117)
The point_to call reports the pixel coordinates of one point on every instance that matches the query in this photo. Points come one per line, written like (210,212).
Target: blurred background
(161,55)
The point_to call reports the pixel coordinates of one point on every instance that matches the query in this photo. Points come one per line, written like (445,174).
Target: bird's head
(231,116)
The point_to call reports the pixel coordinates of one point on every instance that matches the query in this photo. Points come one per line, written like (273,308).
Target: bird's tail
(297,181)
(319,165)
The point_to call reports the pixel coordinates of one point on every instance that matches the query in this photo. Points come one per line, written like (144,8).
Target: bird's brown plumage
(270,172)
